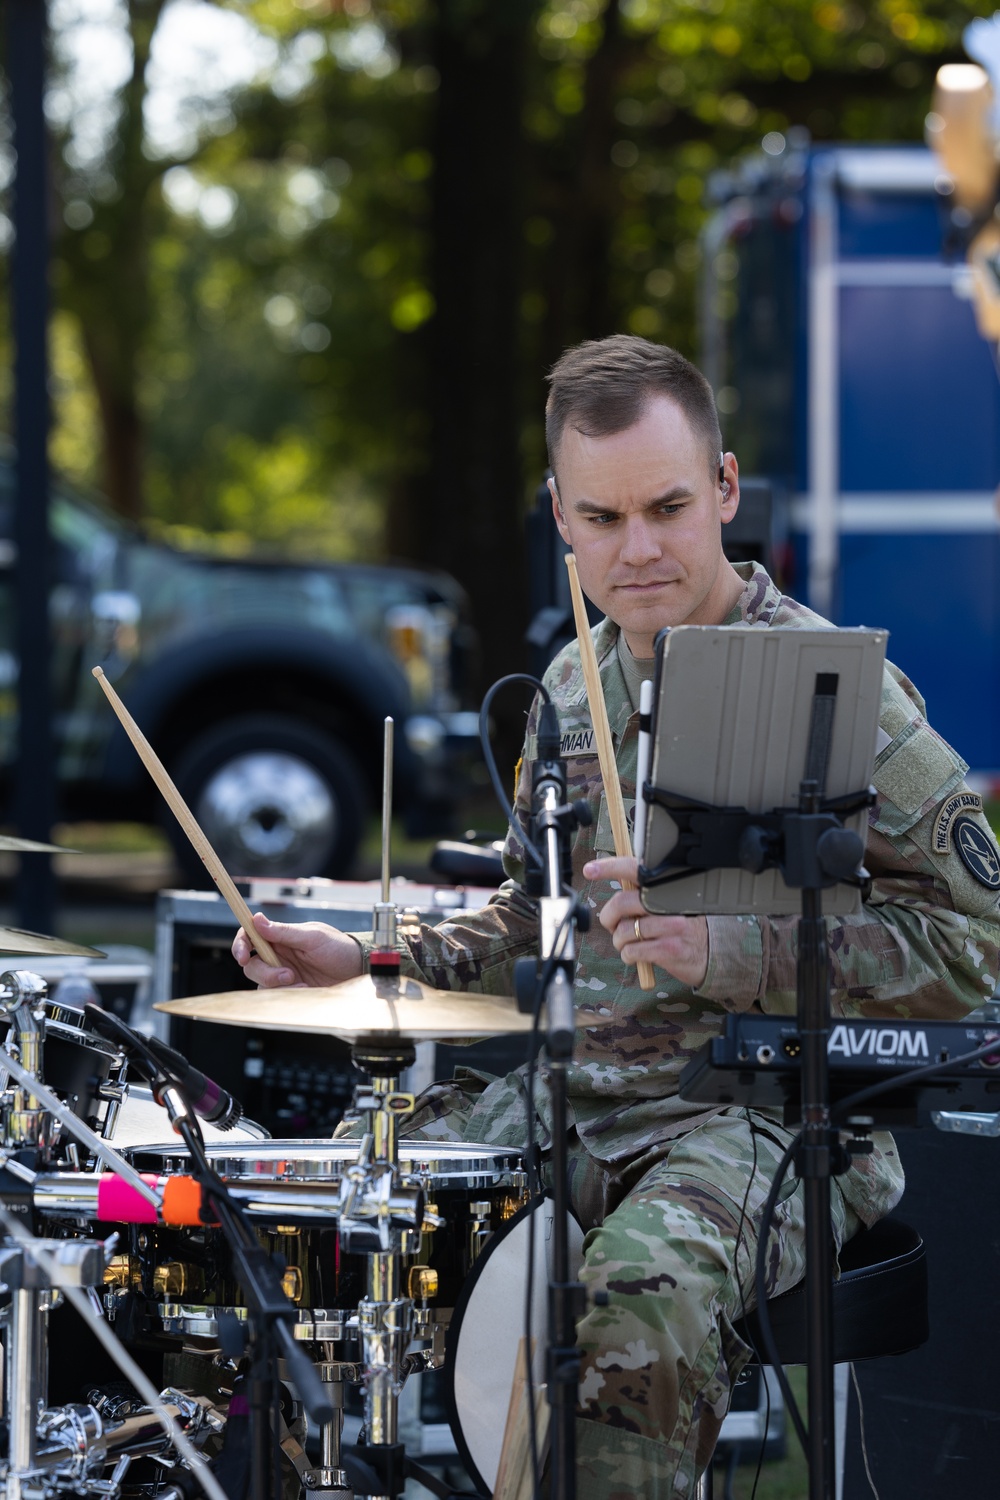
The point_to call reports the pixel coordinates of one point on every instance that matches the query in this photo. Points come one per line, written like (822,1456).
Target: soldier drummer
(671,1193)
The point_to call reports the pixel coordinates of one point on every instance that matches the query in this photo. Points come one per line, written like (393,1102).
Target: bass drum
(486,1331)
(144,1124)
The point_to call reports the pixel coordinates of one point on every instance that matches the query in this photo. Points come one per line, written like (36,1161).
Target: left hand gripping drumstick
(213,864)
(602,734)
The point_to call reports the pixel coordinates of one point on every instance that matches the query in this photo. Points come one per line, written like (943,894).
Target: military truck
(263,686)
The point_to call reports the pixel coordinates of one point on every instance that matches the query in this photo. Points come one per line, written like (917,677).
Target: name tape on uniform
(578,742)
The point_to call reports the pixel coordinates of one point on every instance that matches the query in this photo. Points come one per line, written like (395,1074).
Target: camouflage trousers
(671,1237)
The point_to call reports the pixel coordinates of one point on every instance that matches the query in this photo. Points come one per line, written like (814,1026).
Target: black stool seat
(879,1300)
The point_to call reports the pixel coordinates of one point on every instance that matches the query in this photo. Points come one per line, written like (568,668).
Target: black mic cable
(163,1066)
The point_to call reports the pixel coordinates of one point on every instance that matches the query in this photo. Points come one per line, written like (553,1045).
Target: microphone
(163,1066)
(208,1098)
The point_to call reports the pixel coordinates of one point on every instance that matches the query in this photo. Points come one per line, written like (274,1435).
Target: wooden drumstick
(602,734)
(185,817)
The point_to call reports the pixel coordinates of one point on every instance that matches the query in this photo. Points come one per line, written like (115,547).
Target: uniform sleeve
(476,951)
(926,943)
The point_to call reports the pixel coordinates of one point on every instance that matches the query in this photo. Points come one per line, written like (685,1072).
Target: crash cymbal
(15,940)
(9,844)
(365,1008)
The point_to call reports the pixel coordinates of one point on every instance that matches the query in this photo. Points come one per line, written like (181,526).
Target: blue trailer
(843,347)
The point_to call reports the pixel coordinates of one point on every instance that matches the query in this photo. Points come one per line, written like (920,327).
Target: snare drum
(187,1273)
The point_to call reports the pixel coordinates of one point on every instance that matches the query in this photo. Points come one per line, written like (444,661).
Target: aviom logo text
(878,1041)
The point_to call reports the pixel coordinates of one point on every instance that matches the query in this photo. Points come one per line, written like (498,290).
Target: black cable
(112,1025)
(535,1198)
(760,1280)
(914,1075)
(510,812)
(743,1305)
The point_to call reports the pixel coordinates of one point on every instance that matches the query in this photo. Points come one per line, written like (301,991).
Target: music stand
(764,745)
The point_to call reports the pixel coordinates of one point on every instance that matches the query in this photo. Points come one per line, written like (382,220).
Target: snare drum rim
(447,1164)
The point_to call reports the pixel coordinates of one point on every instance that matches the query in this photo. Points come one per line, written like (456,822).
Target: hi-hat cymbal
(15,940)
(365,1009)
(10,844)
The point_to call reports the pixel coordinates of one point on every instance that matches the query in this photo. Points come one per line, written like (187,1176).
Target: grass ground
(784,1479)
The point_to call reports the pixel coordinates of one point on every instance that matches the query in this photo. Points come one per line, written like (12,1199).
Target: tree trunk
(469,517)
(122,428)
(107,280)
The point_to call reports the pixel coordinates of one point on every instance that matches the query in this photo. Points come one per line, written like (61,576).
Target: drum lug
(480,1229)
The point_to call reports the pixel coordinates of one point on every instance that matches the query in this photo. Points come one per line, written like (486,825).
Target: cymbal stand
(374,1210)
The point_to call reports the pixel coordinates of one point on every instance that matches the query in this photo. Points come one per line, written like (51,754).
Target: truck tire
(274,795)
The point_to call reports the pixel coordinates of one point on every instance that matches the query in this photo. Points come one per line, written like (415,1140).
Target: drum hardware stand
(32,1097)
(814,851)
(271,1314)
(330,1478)
(53,1450)
(553,820)
(374,1208)
(26,1124)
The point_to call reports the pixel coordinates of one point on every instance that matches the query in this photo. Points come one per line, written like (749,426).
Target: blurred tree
(109,215)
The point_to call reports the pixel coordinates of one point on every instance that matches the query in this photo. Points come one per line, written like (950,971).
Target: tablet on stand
(764,745)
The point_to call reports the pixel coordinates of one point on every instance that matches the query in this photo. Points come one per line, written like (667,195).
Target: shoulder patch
(578,742)
(977,853)
(967,802)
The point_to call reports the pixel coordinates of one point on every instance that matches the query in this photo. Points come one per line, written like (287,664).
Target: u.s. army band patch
(961,802)
(578,742)
(977,853)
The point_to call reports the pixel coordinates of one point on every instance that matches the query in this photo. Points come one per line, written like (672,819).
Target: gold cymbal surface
(15,940)
(365,1008)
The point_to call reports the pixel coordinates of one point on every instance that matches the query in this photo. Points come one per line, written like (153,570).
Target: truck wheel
(274,795)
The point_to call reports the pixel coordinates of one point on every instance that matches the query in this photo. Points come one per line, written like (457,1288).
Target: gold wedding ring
(638,931)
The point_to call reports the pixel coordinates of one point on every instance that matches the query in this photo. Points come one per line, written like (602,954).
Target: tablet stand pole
(814,852)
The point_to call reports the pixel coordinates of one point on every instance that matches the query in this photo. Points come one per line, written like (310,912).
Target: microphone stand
(553,819)
(271,1314)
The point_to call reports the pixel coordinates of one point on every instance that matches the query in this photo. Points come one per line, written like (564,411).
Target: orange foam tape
(182,1200)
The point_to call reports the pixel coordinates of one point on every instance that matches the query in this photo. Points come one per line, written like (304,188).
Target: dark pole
(34,787)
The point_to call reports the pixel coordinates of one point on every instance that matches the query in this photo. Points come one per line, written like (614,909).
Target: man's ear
(729,488)
(558,512)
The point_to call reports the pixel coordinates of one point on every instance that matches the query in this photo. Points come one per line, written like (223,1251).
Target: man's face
(643,510)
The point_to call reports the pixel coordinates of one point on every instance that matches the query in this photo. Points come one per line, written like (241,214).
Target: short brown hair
(603,386)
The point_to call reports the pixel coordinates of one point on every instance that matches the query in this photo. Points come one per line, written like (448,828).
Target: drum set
(231,1288)
(115,1197)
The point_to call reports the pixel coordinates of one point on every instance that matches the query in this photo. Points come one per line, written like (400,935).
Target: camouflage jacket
(925,943)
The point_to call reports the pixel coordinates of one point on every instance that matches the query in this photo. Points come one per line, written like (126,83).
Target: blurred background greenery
(313,257)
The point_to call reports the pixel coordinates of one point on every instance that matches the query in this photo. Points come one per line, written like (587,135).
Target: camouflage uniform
(670,1192)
